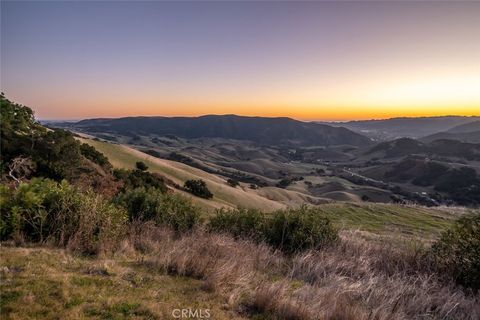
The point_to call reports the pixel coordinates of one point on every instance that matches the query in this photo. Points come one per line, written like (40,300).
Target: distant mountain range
(441,147)
(389,129)
(261,130)
(468,132)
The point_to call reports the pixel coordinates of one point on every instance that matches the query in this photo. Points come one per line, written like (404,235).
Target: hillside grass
(46,283)
(224,195)
(387,219)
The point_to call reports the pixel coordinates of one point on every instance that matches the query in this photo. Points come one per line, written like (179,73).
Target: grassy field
(390,219)
(40,283)
(357,280)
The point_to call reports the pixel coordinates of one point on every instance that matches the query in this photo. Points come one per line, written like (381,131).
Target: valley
(275,173)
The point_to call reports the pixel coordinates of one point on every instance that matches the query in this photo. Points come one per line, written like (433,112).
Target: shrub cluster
(93,155)
(240,223)
(457,253)
(46,211)
(149,204)
(198,188)
(289,230)
(233,183)
(132,179)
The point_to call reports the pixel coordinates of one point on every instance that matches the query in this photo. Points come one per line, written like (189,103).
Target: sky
(305,60)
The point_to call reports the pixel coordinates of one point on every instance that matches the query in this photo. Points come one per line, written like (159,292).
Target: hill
(469,132)
(443,148)
(224,195)
(264,131)
(395,128)
(467,127)
(470,137)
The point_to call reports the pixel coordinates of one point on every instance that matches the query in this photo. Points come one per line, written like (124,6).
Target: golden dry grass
(355,280)
(156,270)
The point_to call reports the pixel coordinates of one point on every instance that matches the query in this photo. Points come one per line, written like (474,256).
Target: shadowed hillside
(395,128)
(266,131)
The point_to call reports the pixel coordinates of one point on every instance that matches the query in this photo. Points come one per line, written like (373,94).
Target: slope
(261,130)
(224,195)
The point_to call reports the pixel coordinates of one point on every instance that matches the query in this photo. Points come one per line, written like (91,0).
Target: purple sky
(311,60)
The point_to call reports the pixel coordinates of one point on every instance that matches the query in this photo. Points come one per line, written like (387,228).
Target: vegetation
(198,188)
(233,183)
(141,166)
(297,230)
(46,283)
(46,211)
(289,230)
(132,179)
(458,251)
(93,155)
(164,209)
(241,223)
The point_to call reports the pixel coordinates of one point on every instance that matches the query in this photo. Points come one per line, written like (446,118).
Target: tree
(20,168)
(140,165)
(198,188)
(233,183)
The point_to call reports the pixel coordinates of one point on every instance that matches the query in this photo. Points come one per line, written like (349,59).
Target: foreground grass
(156,271)
(41,283)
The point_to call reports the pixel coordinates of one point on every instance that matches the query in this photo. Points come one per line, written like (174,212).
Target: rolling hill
(224,195)
(264,131)
(440,148)
(468,132)
(394,128)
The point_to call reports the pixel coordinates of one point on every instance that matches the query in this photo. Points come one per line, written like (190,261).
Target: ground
(46,283)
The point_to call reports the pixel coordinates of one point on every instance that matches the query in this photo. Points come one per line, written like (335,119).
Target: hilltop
(261,130)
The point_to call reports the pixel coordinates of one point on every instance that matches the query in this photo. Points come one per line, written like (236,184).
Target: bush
(242,223)
(458,251)
(46,211)
(233,183)
(93,155)
(198,188)
(299,229)
(141,166)
(289,230)
(135,179)
(285,182)
(164,209)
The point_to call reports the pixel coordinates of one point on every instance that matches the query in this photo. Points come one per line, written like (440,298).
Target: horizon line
(250,116)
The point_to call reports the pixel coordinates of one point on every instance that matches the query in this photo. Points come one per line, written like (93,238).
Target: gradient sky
(306,60)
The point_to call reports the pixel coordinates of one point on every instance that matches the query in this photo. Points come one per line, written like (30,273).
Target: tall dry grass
(356,279)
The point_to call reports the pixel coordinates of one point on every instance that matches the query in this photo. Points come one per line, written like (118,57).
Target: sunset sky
(310,61)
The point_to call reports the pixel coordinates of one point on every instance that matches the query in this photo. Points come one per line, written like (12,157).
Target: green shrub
(241,223)
(458,251)
(289,230)
(136,179)
(164,209)
(198,188)
(299,229)
(46,211)
(95,156)
(140,165)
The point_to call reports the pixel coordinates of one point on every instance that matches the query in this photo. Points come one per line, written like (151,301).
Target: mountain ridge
(262,130)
